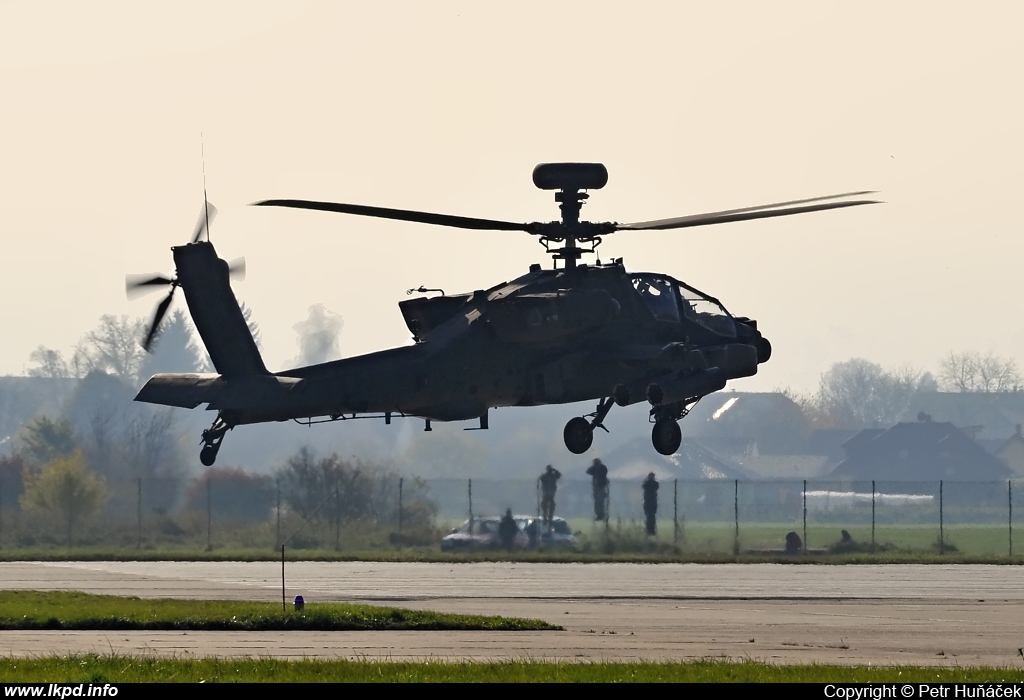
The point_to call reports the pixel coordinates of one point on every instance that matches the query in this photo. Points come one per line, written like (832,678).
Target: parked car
(558,536)
(482,533)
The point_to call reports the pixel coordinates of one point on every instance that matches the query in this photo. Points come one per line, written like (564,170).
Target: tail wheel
(666,436)
(212,438)
(208,455)
(578,435)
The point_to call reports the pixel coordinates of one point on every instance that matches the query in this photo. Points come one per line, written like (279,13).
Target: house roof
(772,420)
(918,451)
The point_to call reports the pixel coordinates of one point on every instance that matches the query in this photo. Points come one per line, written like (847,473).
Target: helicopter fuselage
(548,337)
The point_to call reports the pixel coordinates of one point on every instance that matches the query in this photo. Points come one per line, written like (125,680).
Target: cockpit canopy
(670,300)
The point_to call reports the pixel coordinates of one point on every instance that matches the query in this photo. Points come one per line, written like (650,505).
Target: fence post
(69,489)
(805,516)
(209,517)
(278,480)
(872,515)
(736,511)
(607,512)
(942,539)
(400,481)
(138,504)
(1009,511)
(675,512)
(337,517)
(471,506)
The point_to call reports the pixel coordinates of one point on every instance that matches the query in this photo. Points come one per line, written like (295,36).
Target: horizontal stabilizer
(188,390)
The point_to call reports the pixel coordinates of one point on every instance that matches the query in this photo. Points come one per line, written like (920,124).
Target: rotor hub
(569,179)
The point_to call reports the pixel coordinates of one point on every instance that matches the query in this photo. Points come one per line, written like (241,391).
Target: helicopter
(569,334)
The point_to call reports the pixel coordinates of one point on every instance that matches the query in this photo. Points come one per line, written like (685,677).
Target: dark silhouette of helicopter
(564,335)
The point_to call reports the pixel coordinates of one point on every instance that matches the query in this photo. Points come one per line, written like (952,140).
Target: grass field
(626,541)
(71,610)
(696,541)
(126,669)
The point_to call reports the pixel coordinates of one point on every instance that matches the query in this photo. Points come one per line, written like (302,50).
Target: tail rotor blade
(158,317)
(140,285)
(206,216)
(236,268)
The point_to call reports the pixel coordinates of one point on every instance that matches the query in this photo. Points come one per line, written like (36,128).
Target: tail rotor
(139,285)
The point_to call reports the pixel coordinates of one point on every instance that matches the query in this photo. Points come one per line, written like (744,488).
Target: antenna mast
(206,202)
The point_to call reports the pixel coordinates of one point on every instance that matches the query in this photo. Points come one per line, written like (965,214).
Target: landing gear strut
(211,439)
(579,432)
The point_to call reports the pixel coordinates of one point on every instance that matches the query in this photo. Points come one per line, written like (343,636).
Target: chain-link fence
(236,512)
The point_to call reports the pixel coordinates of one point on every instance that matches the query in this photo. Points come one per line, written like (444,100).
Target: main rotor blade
(398,214)
(158,317)
(136,285)
(206,216)
(723,217)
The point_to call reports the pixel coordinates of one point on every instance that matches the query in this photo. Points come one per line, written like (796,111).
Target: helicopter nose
(764,350)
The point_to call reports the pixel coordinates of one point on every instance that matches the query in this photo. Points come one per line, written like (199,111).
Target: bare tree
(50,364)
(971,372)
(859,393)
(151,445)
(363,491)
(112,347)
(125,441)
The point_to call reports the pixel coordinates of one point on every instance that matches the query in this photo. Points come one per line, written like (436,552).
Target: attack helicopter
(569,334)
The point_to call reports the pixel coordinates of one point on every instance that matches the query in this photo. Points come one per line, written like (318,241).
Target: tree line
(52,476)
(858,393)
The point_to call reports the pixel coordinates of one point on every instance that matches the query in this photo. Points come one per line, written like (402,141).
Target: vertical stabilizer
(204,279)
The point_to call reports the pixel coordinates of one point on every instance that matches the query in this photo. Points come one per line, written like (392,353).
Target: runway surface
(854,615)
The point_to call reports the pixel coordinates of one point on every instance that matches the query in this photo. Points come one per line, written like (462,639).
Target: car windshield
(478,527)
(561,527)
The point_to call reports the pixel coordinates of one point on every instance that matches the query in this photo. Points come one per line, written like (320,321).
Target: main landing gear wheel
(578,435)
(666,436)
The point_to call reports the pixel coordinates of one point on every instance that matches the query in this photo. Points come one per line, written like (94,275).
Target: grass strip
(434,556)
(129,669)
(72,610)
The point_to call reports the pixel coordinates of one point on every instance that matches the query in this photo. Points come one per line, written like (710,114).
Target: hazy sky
(447,106)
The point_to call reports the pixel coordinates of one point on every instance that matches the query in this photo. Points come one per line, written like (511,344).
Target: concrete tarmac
(853,615)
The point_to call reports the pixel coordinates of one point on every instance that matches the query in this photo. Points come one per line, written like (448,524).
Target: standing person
(548,486)
(599,481)
(507,531)
(650,502)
